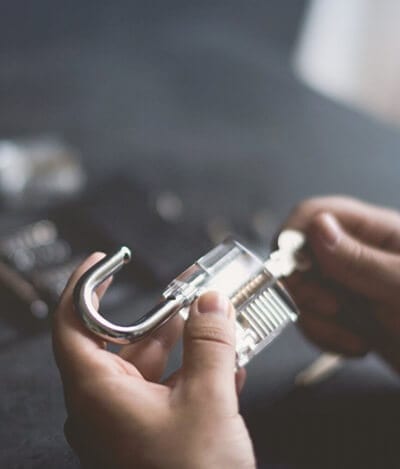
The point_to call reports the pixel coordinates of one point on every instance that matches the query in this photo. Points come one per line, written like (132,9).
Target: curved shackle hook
(97,323)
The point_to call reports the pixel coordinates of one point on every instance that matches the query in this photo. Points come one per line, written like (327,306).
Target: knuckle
(212,334)
(353,261)
(307,208)
(209,394)
(304,207)
(206,330)
(391,240)
(391,213)
(358,253)
(339,199)
(310,207)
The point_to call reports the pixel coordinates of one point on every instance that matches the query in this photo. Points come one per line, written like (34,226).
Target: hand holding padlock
(263,306)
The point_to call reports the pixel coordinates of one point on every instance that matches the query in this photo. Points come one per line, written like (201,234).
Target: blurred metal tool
(30,236)
(24,291)
(34,262)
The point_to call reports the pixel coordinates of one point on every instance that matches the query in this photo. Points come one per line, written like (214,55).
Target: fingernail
(329,230)
(213,302)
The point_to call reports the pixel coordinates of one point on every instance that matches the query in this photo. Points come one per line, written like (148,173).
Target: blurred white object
(38,171)
(349,49)
(169,206)
(322,368)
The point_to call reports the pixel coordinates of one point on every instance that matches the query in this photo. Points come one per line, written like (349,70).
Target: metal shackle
(104,328)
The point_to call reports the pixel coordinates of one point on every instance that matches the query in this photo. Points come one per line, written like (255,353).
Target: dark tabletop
(198,97)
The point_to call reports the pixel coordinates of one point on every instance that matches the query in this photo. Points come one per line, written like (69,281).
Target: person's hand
(356,251)
(119,413)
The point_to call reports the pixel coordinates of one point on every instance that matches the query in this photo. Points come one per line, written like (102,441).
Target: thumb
(352,263)
(74,345)
(209,351)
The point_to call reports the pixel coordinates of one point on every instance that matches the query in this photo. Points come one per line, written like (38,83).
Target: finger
(75,346)
(101,291)
(150,356)
(240,380)
(375,225)
(330,336)
(352,263)
(208,370)
(173,378)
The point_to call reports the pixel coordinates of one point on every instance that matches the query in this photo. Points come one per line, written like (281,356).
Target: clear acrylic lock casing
(263,306)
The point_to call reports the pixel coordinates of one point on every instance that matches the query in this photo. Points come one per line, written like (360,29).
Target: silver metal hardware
(263,306)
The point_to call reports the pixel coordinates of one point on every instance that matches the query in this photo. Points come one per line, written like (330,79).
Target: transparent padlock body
(263,307)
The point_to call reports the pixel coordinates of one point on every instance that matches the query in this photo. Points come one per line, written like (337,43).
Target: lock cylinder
(263,306)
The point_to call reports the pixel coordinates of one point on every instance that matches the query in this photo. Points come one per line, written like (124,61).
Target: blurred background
(166,125)
(349,50)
